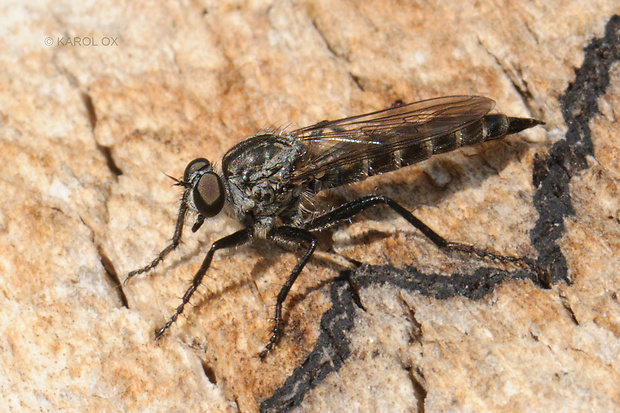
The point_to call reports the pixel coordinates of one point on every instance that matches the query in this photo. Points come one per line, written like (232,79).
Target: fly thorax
(257,172)
(270,198)
(263,194)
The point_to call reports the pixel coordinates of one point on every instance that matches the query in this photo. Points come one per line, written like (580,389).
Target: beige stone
(127,90)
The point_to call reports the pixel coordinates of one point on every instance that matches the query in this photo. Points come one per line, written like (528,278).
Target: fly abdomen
(424,140)
(384,162)
(472,134)
(489,127)
(497,125)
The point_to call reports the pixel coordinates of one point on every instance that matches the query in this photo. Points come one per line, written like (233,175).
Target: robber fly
(270,179)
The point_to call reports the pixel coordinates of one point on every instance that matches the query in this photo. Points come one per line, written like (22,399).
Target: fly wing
(332,144)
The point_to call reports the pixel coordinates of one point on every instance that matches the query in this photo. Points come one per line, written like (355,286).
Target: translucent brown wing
(332,144)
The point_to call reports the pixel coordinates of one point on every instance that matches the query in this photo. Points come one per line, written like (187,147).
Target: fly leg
(176,238)
(232,240)
(353,208)
(288,234)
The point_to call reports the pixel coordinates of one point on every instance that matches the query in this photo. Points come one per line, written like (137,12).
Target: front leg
(232,240)
(176,238)
(288,234)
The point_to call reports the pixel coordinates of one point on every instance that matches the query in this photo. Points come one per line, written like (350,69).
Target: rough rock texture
(97,100)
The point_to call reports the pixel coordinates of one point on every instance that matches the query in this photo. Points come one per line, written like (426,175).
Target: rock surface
(97,100)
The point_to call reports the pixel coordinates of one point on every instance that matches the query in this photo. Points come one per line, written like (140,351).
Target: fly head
(205,191)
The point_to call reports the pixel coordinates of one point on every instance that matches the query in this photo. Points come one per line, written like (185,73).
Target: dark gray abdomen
(489,127)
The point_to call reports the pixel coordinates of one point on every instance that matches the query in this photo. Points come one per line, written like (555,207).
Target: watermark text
(79,41)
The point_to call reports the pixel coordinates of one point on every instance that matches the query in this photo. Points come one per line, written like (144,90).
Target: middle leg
(288,234)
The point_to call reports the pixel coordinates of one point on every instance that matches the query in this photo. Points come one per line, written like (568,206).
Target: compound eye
(209,194)
(193,166)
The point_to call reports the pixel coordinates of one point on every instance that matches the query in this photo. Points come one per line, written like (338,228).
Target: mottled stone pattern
(97,100)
